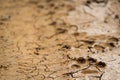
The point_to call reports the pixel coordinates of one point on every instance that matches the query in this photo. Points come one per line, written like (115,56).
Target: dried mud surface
(59,40)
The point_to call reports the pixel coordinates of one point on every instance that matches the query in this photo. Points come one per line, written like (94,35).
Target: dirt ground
(59,40)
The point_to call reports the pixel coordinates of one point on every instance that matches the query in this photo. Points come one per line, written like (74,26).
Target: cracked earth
(59,40)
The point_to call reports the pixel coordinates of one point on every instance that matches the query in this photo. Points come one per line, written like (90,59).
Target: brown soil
(59,40)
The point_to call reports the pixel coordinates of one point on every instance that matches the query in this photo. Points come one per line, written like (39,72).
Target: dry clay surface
(59,40)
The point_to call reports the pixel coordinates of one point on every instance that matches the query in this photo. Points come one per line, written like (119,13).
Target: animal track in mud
(95,44)
(91,67)
(89,60)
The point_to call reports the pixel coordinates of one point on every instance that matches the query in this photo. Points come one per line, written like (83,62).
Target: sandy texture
(59,40)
